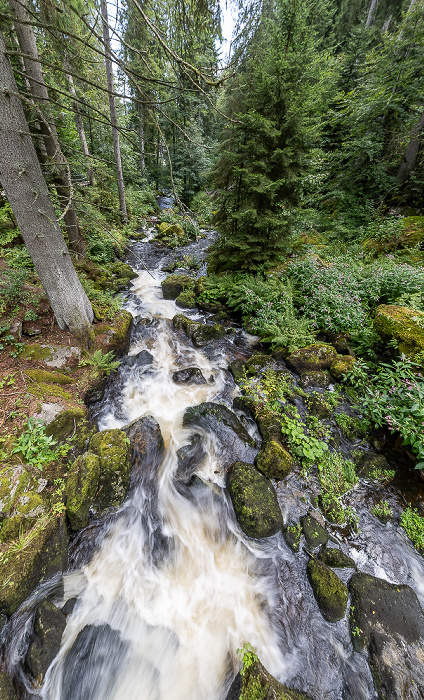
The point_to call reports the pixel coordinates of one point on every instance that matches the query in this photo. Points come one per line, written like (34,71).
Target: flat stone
(49,411)
(60,354)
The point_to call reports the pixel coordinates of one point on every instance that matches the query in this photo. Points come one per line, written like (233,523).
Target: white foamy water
(163,609)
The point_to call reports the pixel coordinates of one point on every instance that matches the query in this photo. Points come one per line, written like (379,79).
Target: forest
(298,154)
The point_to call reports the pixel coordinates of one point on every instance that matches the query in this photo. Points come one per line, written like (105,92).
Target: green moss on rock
(316,379)
(43,390)
(41,375)
(317,356)
(314,533)
(65,423)
(119,338)
(174,285)
(404,324)
(49,625)
(81,488)
(292,535)
(186,300)
(341,366)
(274,461)
(254,500)
(237,370)
(258,684)
(335,558)
(256,363)
(7,691)
(35,352)
(113,450)
(330,592)
(204,334)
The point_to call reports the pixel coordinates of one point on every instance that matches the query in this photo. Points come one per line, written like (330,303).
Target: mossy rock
(113,450)
(372,464)
(123,271)
(330,592)
(318,406)
(341,366)
(316,379)
(170,234)
(35,352)
(404,324)
(119,337)
(182,323)
(292,535)
(317,356)
(257,684)
(174,285)
(7,691)
(81,488)
(335,558)
(315,534)
(65,423)
(256,364)
(42,390)
(254,501)
(237,370)
(413,231)
(28,507)
(49,625)
(186,300)
(204,334)
(41,375)
(21,571)
(269,425)
(274,461)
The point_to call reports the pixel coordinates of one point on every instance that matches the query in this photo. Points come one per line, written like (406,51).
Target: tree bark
(28,195)
(371,14)
(40,95)
(113,114)
(81,131)
(140,109)
(411,154)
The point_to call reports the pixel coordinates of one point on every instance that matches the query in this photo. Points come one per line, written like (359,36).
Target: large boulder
(205,333)
(174,285)
(312,358)
(330,592)
(254,501)
(314,532)
(341,366)
(49,625)
(235,443)
(335,558)
(119,336)
(387,620)
(147,449)
(274,461)
(190,375)
(81,488)
(404,324)
(112,449)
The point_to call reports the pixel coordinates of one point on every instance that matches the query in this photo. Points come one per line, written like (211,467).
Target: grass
(413,524)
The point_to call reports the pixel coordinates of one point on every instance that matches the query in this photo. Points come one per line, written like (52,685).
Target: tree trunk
(371,14)
(28,195)
(140,109)
(410,158)
(39,92)
(81,131)
(113,115)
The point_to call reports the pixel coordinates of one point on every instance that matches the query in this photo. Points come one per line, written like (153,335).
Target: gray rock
(49,625)
(190,375)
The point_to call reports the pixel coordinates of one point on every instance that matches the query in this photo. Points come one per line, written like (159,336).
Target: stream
(175,589)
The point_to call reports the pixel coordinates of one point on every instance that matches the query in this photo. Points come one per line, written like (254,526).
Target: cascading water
(175,589)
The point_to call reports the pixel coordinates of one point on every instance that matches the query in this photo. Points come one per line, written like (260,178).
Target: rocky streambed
(199,526)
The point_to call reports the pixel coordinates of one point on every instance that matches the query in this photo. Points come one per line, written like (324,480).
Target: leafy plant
(383,511)
(11,285)
(413,524)
(36,447)
(337,477)
(101,362)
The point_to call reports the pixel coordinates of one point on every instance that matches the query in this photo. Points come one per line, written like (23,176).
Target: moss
(27,509)
(413,230)
(81,488)
(318,379)
(49,625)
(314,357)
(35,352)
(256,363)
(7,691)
(330,592)
(292,535)
(331,556)
(314,533)
(186,300)
(119,339)
(258,684)
(237,370)
(21,571)
(342,365)
(40,375)
(43,390)
(204,334)
(113,450)
(318,406)
(182,323)
(404,324)
(254,500)
(174,285)
(65,423)
(274,461)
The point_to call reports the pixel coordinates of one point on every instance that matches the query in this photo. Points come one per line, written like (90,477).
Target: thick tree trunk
(140,109)
(371,13)
(28,195)
(81,131)
(113,114)
(411,154)
(39,92)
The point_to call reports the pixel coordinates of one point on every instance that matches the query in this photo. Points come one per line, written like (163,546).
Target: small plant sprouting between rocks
(36,447)
(383,511)
(413,524)
(101,362)
(337,477)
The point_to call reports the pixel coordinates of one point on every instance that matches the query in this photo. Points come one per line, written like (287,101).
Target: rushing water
(175,588)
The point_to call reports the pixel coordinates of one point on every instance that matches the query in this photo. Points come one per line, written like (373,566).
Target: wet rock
(7,691)
(182,323)
(96,392)
(112,449)
(269,426)
(147,448)
(256,363)
(119,337)
(292,535)
(318,406)
(81,488)
(317,356)
(257,684)
(23,570)
(330,592)
(171,235)
(186,300)
(174,285)
(317,379)
(315,534)
(237,369)
(49,625)
(189,459)
(340,342)
(335,558)
(387,620)
(142,359)
(372,464)
(274,461)
(254,501)
(234,441)
(204,334)
(402,323)
(341,366)
(191,375)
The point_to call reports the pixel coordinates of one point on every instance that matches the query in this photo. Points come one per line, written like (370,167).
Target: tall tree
(27,192)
